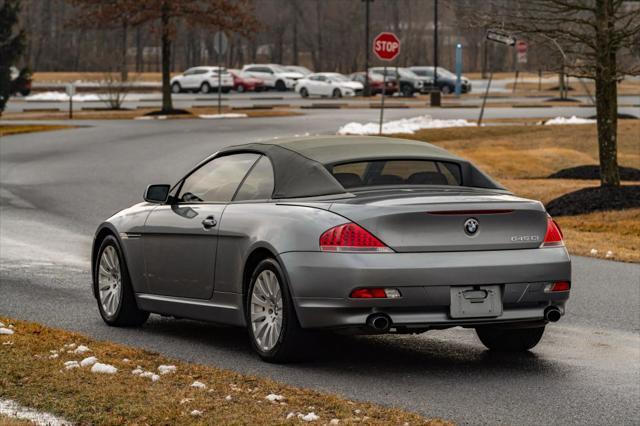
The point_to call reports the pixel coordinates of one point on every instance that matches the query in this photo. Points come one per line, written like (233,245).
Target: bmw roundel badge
(471,226)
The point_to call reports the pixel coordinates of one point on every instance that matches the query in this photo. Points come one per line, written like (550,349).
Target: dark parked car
(408,82)
(446,81)
(375,83)
(20,81)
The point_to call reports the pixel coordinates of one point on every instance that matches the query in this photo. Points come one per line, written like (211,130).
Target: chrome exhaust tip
(552,314)
(380,323)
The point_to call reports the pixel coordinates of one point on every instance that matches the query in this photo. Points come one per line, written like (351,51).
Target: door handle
(209,222)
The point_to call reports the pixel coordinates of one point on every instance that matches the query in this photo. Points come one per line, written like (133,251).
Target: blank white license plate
(476,302)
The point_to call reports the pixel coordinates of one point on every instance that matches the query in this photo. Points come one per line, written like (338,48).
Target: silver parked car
(360,234)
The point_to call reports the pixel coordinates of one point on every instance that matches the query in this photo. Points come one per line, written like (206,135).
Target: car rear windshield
(397,172)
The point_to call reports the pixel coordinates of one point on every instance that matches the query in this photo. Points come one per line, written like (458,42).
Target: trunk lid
(447,219)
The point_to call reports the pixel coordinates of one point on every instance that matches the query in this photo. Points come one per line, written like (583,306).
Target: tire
(304,93)
(407,91)
(446,89)
(510,340)
(25,92)
(336,93)
(289,344)
(240,88)
(205,88)
(110,270)
(176,88)
(280,86)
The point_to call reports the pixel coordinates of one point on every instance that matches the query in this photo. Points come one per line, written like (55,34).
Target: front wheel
(240,88)
(337,93)
(304,93)
(175,88)
(112,285)
(446,89)
(273,326)
(280,86)
(510,340)
(407,91)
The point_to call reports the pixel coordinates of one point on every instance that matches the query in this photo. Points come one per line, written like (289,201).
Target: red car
(375,83)
(245,83)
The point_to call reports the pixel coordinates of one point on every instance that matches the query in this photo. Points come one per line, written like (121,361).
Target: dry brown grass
(521,157)
(10,421)
(11,129)
(30,377)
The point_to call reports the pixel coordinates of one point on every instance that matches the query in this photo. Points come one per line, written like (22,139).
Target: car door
(187,80)
(323,87)
(180,239)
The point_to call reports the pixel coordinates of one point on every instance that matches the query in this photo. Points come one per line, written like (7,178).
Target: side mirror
(157,194)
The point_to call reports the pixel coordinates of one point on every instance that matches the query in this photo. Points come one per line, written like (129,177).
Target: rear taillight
(351,237)
(557,286)
(553,237)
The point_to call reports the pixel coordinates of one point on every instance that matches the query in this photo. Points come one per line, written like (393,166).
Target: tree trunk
(124,71)
(167,105)
(606,95)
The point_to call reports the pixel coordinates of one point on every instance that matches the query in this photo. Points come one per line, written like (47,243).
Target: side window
(217,180)
(259,183)
(252,69)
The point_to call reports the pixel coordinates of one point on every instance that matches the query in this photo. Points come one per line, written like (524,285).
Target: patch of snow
(63,97)
(571,120)
(198,385)
(14,410)
(151,117)
(88,361)
(138,371)
(6,331)
(228,398)
(310,417)
(405,125)
(273,397)
(71,364)
(125,360)
(609,254)
(1,324)
(70,345)
(219,116)
(593,252)
(7,343)
(334,422)
(290,415)
(185,400)
(196,413)
(357,411)
(166,369)
(53,356)
(151,375)
(81,349)
(103,368)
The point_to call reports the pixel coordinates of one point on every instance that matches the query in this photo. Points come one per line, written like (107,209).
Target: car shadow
(382,356)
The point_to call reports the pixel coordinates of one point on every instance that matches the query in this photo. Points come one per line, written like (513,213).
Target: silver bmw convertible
(357,234)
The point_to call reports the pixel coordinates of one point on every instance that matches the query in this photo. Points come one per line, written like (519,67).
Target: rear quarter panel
(277,227)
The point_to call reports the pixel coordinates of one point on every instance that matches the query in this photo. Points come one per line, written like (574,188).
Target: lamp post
(367,47)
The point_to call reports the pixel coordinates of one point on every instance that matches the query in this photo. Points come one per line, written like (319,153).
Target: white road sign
(220,42)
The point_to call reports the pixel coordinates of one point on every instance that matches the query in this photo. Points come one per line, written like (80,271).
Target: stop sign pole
(386,46)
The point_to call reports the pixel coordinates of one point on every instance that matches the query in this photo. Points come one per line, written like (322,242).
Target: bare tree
(225,15)
(590,36)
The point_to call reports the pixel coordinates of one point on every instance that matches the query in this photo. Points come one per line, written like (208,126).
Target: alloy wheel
(110,281)
(266,310)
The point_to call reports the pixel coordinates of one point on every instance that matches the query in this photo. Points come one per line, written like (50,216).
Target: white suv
(274,76)
(203,79)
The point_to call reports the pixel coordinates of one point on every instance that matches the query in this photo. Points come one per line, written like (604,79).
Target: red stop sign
(386,46)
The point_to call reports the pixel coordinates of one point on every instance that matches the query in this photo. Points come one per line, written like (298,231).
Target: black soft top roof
(301,165)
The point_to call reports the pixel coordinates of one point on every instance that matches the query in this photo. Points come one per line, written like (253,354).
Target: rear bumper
(321,284)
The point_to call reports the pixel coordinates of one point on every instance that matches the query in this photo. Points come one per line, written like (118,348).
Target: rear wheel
(280,86)
(273,326)
(112,286)
(205,88)
(446,89)
(510,340)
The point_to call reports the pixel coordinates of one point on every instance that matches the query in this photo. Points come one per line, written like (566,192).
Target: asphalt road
(56,187)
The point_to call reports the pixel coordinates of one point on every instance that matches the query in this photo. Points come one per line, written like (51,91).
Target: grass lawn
(521,157)
(11,129)
(34,375)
